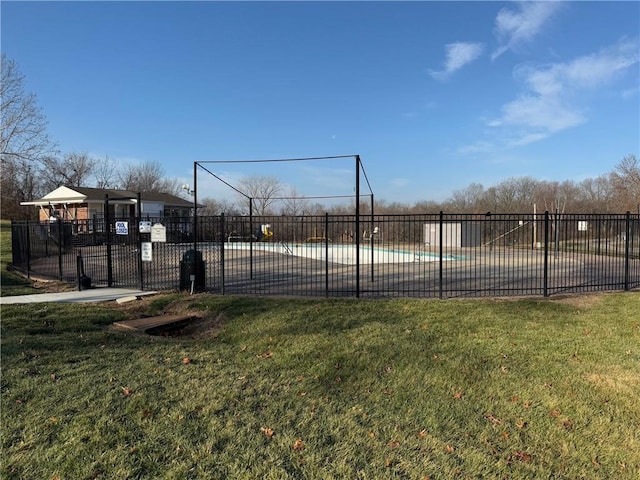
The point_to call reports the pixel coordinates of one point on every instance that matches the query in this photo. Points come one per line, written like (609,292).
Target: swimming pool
(344,254)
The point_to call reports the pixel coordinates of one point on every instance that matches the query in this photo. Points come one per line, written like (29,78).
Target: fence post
(28,250)
(371,239)
(546,255)
(139,240)
(222,236)
(107,226)
(627,250)
(59,220)
(251,238)
(441,248)
(78,272)
(326,254)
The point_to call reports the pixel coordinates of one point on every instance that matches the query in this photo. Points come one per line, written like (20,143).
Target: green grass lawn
(323,389)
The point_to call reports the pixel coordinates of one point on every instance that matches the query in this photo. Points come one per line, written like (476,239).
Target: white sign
(582,225)
(122,228)
(158,233)
(144,227)
(147,251)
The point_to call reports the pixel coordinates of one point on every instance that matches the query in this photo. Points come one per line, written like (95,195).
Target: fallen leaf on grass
(298,445)
(522,456)
(555,412)
(493,419)
(449,449)
(267,431)
(394,444)
(268,354)
(514,399)
(457,395)
(126,391)
(422,434)
(186,360)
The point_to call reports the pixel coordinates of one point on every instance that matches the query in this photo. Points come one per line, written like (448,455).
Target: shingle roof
(166,198)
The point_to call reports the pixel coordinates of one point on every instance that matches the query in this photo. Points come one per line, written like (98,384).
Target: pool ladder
(286,248)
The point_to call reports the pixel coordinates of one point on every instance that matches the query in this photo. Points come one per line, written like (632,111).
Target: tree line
(615,192)
(32,166)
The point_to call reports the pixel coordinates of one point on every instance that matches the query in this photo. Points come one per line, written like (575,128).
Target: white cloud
(515,27)
(478,147)
(458,55)
(554,99)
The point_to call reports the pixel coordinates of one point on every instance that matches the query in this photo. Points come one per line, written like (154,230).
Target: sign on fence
(146,251)
(122,228)
(158,233)
(145,227)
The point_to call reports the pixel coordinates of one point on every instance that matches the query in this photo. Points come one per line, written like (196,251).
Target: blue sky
(432,95)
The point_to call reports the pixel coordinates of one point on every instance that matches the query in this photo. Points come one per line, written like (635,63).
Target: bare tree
(262,189)
(294,203)
(105,173)
(626,183)
(467,199)
(72,170)
(211,206)
(147,177)
(24,126)
(595,195)
(23,140)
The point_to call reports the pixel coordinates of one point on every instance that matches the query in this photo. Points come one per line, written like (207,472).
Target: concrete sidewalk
(84,296)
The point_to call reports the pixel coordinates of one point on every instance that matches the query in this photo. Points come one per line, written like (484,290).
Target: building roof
(97,195)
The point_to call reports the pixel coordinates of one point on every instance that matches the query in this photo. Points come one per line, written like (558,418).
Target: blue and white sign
(145,227)
(122,228)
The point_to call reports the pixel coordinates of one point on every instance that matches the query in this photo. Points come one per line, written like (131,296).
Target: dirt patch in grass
(52,286)
(205,323)
(580,300)
(198,328)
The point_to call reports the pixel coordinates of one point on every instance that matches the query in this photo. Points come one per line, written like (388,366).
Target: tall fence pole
(441,251)
(251,238)
(139,241)
(222,230)
(357,226)
(545,275)
(195,216)
(627,250)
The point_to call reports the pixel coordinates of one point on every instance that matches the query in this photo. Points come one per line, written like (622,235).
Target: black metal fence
(440,256)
